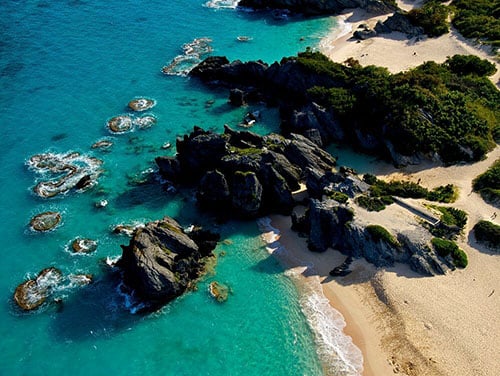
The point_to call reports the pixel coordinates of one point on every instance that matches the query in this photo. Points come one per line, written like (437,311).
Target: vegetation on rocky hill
(451,109)
(478,19)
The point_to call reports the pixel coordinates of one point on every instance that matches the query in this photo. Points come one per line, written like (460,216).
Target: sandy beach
(395,51)
(405,323)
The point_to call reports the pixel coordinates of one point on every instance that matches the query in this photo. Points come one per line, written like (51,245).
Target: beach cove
(387,312)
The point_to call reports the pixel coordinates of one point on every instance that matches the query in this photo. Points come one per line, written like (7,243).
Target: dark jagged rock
(246,191)
(364,33)
(399,22)
(317,7)
(162,261)
(327,219)
(199,152)
(45,221)
(343,269)
(213,192)
(306,154)
(237,97)
(241,173)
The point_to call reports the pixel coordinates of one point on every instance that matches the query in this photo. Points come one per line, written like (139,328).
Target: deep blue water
(66,67)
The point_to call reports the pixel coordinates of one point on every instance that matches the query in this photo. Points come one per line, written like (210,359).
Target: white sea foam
(222,4)
(193,53)
(335,349)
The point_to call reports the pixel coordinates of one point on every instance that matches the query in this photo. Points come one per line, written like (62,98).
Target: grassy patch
(338,196)
(488,183)
(488,233)
(446,248)
(380,233)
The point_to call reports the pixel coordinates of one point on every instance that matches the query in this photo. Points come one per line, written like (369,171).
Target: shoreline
(399,319)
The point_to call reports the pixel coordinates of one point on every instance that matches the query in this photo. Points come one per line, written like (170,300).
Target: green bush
(470,64)
(478,19)
(380,233)
(371,203)
(445,248)
(450,109)
(338,196)
(444,193)
(452,216)
(488,183)
(432,17)
(489,233)
(369,179)
(398,188)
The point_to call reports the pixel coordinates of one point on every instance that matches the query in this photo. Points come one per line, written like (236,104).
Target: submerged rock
(32,294)
(162,261)
(145,122)
(102,144)
(141,104)
(218,291)
(45,221)
(81,245)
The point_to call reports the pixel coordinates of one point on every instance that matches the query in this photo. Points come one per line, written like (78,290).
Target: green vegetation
(444,193)
(489,233)
(380,233)
(432,17)
(445,247)
(405,189)
(478,19)
(245,151)
(470,64)
(452,216)
(338,196)
(488,184)
(374,203)
(433,108)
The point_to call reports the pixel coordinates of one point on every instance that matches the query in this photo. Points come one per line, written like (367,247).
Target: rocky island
(162,261)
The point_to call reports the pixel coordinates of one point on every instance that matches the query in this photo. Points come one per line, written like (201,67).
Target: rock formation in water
(162,261)
(242,174)
(317,7)
(45,221)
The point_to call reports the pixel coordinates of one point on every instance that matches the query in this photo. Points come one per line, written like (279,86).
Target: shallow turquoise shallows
(66,67)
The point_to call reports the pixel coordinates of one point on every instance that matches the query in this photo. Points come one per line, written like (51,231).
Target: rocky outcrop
(316,7)
(32,294)
(331,223)
(243,174)
(162,261)
(83,245)
(399,22)
(45,221)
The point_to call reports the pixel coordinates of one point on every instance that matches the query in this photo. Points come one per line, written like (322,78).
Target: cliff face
(316,7)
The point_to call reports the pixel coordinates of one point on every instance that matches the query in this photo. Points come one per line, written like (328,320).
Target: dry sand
(395,51)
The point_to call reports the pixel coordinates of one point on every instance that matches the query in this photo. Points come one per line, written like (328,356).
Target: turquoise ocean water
(65,68)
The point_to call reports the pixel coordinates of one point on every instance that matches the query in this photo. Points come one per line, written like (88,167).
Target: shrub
(432,17)
(489,233)
(470,64)
(445,248)
(371,203)
(488,183)
(447,193)
(398,188)
(452,216)
(338,196)
(369,179)
(380,233)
